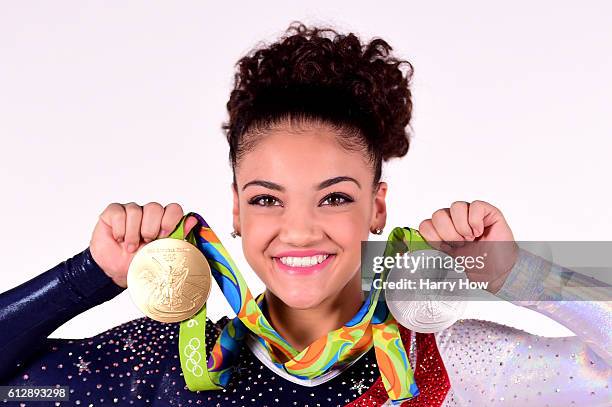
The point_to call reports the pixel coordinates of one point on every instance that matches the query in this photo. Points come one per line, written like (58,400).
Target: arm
(489,363)
(36,308)
(564,295)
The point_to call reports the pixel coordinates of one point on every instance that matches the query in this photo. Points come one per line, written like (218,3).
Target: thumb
(189,224)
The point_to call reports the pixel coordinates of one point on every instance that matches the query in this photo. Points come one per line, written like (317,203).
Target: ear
(236,209)
(379,209)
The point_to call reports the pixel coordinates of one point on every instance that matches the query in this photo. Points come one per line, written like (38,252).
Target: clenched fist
(474,229)
(122,229)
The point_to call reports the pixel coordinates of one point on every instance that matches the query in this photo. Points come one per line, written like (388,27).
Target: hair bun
(364,81)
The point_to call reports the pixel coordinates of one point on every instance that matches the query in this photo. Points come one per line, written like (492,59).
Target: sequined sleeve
(36,308)
(565,296)
(493,364)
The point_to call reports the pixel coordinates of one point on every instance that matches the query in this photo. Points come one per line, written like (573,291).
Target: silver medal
(430,303)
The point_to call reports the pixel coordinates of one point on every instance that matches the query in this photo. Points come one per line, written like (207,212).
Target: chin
(300,298)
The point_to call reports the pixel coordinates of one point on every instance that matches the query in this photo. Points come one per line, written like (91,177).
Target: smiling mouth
(303,265)
(306,261)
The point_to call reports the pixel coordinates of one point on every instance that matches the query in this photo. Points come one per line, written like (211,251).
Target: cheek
(347,235)
(349,228)
(255,222)
(252,249)
(256,237)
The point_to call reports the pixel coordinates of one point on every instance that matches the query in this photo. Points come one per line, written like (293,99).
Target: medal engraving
(169,280)
(425,310)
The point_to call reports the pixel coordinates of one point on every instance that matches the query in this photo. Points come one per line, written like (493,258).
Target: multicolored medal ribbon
(372,325)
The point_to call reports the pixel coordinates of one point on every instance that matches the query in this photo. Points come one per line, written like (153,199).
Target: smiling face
(303,205)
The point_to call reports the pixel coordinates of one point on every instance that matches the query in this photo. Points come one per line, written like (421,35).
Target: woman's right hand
(122,229)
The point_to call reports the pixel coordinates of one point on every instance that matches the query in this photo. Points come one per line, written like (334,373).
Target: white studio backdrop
(106,102)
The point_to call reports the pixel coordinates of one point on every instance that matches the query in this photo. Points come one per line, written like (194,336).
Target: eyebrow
(322,185)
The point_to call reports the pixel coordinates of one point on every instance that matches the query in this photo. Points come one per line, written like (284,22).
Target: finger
(114,217)
(152,214)
(444,227)
(133,220)
(431,236)
(480,215)
(172,215)
(189,224)
(459,216)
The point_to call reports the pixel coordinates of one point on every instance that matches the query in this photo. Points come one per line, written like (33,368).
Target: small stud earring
(234,234)
(378,231)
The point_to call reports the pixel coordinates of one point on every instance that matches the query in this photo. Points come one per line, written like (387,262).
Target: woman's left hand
(459,230)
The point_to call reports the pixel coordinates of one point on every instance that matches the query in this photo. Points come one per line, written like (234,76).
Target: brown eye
(336,199)
(264,200)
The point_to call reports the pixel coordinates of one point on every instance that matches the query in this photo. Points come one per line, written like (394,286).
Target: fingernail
(163,232)
(131,247)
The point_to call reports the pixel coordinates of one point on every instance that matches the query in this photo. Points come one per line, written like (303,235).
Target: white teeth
(303,261)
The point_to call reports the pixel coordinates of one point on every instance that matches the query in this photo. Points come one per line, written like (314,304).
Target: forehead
(301,155)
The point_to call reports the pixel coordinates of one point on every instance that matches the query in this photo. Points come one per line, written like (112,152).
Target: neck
(301,327)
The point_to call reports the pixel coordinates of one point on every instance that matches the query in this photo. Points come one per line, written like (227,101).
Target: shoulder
(477,329)
(128,349)
(473,336)
(145,335)
(474,329)
(128,362)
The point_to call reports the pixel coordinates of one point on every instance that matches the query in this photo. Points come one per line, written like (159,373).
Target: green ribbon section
(192,335)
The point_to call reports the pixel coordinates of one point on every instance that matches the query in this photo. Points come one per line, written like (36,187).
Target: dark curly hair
(318,74)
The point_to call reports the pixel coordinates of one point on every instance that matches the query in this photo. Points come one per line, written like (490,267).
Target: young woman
(312,118)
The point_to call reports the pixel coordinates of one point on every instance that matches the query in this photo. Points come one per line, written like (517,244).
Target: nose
(300,227)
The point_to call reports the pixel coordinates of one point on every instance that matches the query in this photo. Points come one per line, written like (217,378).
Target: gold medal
(169,280)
